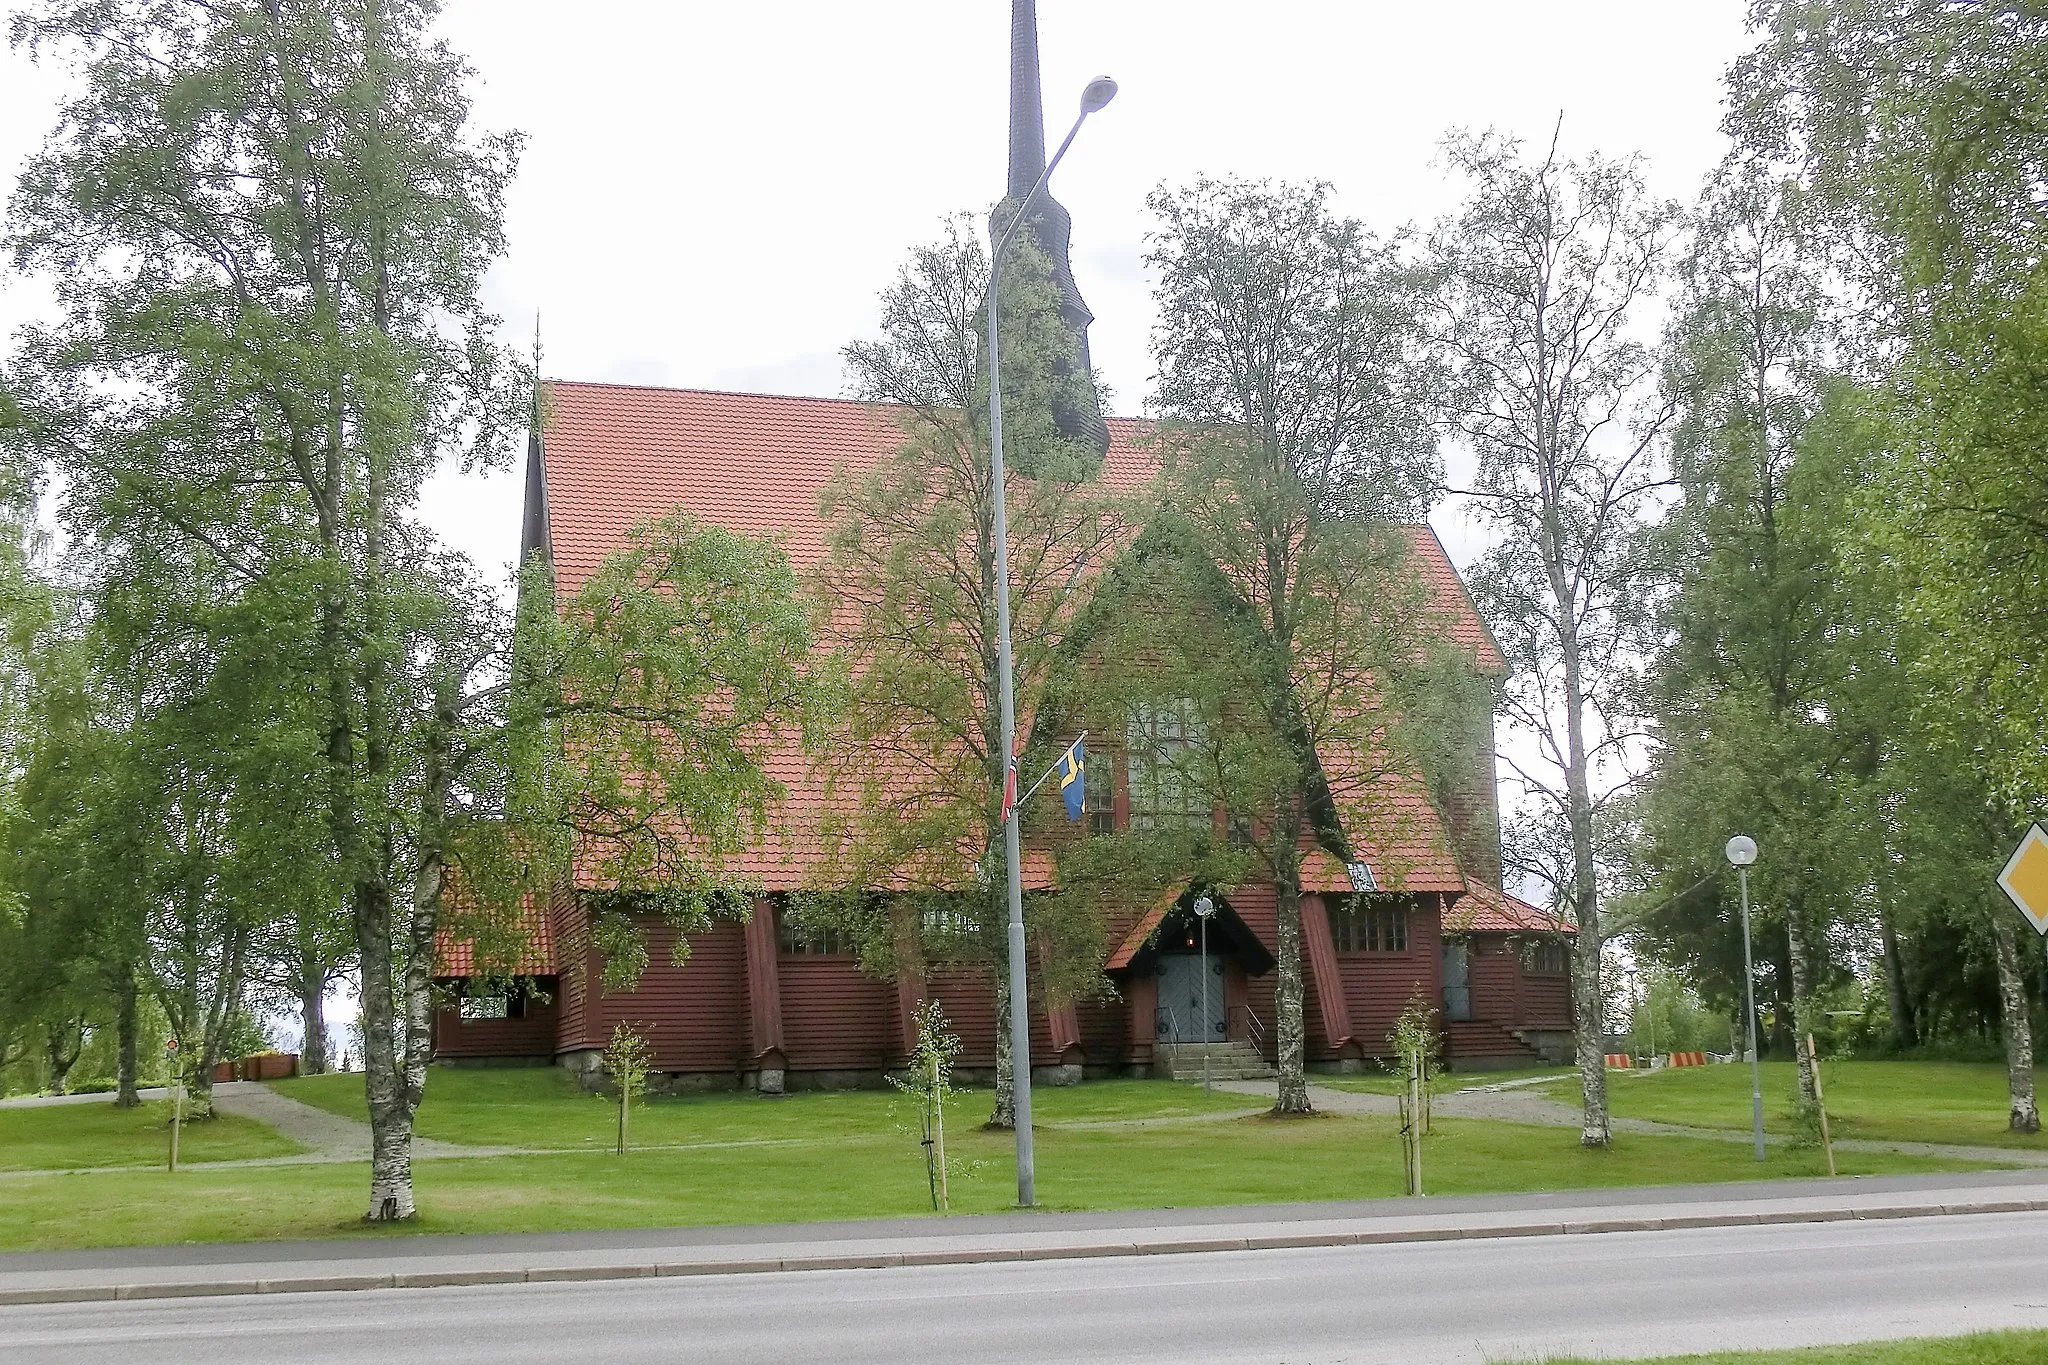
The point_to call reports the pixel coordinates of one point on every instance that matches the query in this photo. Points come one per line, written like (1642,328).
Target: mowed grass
(542,1107)
(1983,1348)
(1951,1102)
(79,1136)
(823,1157)
(1444,1083)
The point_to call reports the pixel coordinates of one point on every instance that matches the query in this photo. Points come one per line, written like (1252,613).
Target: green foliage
(909,572)
(928,1081)
(627,1058)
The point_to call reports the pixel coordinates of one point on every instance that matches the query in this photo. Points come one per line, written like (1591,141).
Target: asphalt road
(1623,1295)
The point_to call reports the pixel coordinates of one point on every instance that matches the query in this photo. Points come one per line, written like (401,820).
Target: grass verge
(1951,1102)
(1984,1348)
(75,1136)
(819,1157)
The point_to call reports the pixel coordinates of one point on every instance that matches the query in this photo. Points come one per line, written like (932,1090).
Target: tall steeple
(1076,409)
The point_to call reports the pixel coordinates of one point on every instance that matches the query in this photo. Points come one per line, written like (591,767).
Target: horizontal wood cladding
(573,956)
(1546,1002)
(1496,974)
(1379,986)
(1507,993)
(531,1035)
(695,1015)
(968,997)
(1105,1028)
(835,1016)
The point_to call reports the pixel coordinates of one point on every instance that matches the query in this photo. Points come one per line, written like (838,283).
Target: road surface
(1624,1295)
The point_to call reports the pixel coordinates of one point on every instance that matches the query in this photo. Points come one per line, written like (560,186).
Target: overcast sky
(713,194)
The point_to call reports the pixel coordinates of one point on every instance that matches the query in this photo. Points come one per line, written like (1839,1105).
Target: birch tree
(1545,268)
(1293,386)
(268,224)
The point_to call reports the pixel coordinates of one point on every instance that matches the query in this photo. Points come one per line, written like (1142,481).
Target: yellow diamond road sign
(2025,878)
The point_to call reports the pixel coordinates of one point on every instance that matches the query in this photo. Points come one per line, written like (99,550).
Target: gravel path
(1509,1106)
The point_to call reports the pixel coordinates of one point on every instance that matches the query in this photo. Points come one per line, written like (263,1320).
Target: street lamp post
(1094,96)
(1741,851)
(1204,907)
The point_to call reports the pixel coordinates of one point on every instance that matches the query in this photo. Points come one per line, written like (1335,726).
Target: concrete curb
(1162,1246)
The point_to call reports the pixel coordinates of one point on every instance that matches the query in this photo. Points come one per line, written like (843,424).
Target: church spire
(1027,112)
(1077,410)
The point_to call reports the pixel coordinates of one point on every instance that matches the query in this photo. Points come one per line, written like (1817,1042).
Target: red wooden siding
(1380,985)
(764,983)
(835,1017)
(531,1035)
(695,1015)
(1506,993)
(967,995)
(573,956)
(1332,1010)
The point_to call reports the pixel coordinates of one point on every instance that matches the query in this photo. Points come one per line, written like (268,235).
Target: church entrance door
(1180,999)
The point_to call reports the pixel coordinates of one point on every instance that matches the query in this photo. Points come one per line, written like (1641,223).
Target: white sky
(714,194)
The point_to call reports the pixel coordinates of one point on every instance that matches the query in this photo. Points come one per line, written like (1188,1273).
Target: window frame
(1363,924)
(1159,792)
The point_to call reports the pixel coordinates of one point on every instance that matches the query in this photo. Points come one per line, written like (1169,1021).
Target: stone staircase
(1227,1062)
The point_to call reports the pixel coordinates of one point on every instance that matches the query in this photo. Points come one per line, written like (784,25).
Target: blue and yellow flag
(1073,785)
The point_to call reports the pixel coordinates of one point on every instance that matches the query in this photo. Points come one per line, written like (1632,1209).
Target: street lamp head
(1204,907)
(1741,850)
(1096,94)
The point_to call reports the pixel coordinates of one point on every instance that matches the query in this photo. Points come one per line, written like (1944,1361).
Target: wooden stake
(1820,1100)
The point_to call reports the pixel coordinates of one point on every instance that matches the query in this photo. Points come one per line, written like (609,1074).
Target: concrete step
(1227,1062)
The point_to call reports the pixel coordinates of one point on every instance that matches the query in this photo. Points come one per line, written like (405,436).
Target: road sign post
(2025,878)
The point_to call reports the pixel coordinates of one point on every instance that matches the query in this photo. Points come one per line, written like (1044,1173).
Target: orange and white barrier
(1620,1061)
(1687,1059)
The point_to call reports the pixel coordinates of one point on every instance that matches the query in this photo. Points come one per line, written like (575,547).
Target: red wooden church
(758,1004)
(761,1004)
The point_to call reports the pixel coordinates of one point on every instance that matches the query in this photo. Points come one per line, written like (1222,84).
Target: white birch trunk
(2019,1034)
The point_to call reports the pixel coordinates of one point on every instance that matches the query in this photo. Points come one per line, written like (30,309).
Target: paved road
(1420,1304)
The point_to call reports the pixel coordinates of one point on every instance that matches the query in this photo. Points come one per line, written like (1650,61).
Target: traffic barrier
(1620,1061)
(1687,1059)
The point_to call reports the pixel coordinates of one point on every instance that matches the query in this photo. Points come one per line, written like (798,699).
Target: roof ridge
(779,397)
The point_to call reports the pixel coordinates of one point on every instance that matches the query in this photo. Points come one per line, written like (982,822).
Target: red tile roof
(457,956)
(617,455)
(1487,910)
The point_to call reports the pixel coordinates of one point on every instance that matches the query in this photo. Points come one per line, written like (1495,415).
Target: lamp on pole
(1094,96)
(1204,907)
(1741,851)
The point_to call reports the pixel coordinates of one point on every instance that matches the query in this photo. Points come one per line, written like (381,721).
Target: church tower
(1077,411)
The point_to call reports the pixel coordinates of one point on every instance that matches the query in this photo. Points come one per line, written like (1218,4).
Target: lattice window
(1359,924)
(1546,957)
(1164,793)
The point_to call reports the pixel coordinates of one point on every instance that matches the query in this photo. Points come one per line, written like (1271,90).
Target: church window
(1098,799)
(1366,924)
(1164,790)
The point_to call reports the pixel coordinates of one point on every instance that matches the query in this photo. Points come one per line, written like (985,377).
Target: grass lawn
(62,1136)
(851,1156)
(542,1107)
(1387,1083)
(1959,1102)
(1985,1348)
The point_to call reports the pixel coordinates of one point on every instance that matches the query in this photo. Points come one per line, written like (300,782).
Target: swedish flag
(1073,784)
